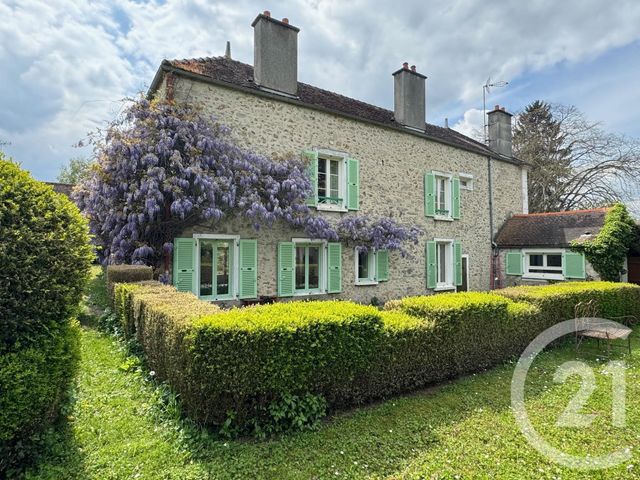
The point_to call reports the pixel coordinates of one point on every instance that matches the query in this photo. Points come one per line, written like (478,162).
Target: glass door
(216,279)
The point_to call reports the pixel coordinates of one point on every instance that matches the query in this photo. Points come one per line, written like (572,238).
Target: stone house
(535,248)
(364,160)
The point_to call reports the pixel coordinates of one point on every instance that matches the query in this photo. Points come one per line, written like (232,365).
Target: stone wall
(392,165)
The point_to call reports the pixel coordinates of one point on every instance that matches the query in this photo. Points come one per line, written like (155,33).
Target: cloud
(67,63)
(471,124)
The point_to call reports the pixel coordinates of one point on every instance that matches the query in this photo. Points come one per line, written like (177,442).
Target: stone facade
(392,165)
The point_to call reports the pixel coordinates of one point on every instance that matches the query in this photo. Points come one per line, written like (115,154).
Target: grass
(125,425)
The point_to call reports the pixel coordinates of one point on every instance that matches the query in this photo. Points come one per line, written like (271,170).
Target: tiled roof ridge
(565,212)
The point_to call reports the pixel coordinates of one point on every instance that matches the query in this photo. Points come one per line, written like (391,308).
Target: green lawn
(123,425)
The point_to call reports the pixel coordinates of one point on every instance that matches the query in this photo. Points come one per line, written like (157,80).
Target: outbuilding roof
(234,74)
(554,229)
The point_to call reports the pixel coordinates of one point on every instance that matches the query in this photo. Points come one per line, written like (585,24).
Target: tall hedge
(45,258)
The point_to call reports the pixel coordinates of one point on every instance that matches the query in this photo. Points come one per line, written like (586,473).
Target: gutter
(166,67)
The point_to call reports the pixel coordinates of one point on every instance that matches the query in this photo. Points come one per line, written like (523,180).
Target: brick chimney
(500,134)
(409,97)
(275,54)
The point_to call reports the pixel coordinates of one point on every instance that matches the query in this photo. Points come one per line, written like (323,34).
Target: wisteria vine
(162,167)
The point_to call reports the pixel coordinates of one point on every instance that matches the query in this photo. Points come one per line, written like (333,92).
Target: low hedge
(235,364)
(127,274)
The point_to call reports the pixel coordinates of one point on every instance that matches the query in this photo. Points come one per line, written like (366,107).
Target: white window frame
(544,252)
(449,283)
(462,258)
(235,265)
(447,195)
(341,157)
(322,281)
(373,274)
(467,178)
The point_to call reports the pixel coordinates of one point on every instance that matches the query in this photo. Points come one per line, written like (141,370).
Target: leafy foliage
(77,170)
(45,252)
(163,167)
(608,251)
(377,234)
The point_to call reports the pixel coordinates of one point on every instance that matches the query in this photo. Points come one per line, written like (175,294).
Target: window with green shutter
(431,264)
(574,265)
(184,264)
(334,267)
(429,194)
(248,281)
(457,256)
(312,159)
(286,263)
(513,263)
(353,184)
(382,265)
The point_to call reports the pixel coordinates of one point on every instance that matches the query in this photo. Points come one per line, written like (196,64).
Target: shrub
(127,274)
(46,257)
(45,252)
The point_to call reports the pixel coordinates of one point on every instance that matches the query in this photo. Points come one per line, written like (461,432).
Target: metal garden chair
(590,325)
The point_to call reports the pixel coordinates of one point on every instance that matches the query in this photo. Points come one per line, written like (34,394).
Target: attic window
(466,181)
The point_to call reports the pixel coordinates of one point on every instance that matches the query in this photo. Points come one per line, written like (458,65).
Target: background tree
(575,163)
(75,171)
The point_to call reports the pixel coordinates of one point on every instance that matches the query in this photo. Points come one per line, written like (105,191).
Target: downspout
(492,266)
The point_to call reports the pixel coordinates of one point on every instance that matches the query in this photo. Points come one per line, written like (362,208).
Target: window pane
(554,260)
(442,263)
(314,267)
(322,177)
(206,268)
(300,268)
(335,178)
(535,260)
(441,198)
(363,265)
(222,269)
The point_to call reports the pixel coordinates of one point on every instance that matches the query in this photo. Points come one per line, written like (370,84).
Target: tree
(574,162)
(75,171)
(162,167)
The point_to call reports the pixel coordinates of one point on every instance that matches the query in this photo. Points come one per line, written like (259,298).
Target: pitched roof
(223,70)
(554,229)
(64,188)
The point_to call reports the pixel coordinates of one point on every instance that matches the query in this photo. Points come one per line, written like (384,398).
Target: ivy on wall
(607,252)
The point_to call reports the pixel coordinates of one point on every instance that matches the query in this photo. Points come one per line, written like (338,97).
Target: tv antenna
(486,90)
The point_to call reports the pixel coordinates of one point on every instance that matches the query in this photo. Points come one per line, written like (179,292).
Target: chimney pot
(497,107)
(267,13)
(285,20)
(405,65)
(413,68)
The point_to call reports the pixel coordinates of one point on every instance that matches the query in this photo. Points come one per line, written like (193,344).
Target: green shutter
(573,265)
(334,261)
(429,194)
(455,198)
(353,184)
(312,158)
(431,266)
(513,263)
(457,258)
(248,283)
(382,265)
(286,259)
(184,278)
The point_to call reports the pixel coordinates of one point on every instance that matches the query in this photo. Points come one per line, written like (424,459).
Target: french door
(215,261)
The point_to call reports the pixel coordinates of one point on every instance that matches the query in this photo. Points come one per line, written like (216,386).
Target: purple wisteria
(163,167)
(377,234)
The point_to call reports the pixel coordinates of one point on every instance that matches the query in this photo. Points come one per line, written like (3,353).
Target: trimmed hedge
(127,274)
(45,257)
(241,361)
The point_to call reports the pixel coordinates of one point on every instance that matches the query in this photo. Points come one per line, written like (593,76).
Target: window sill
(542,276)
(308,294)
(443,219)
(329,208)
(366,282)
(442,288)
